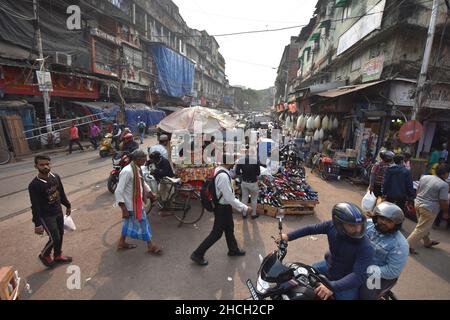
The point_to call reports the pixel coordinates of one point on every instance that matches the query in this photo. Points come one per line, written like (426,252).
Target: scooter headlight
(262,286)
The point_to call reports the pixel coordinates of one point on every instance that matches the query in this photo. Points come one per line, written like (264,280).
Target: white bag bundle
(69,225)
(317,122)
(321,134)
(325,122)
(316,135)
(368,202)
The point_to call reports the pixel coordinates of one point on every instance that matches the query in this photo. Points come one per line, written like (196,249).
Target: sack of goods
(289,184)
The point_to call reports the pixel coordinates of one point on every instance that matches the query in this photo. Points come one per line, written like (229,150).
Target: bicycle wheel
(185,214)
(5,156)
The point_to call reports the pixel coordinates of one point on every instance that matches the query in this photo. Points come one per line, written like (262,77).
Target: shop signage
(363,27)
(411,132)
(103,35)
(44,80)
(16,81)
(372,69)
(438,98)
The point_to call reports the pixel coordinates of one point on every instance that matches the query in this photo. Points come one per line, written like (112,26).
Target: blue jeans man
(351,294)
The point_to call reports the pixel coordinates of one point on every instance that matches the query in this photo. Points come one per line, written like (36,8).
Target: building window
(356,63)
(123,5)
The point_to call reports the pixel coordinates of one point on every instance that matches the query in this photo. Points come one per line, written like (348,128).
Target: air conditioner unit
(63,58)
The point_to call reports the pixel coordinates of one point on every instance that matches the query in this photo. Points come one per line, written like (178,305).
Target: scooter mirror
(280,223)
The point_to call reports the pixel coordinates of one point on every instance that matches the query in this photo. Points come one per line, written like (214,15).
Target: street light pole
(426,60)
(45,93)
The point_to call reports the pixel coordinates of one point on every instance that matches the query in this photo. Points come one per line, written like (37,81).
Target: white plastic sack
(69,225)
(325,121)
(369,201)
(317,122)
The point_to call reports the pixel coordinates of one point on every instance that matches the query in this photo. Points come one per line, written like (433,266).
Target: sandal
(126,246)
(432,244)
(157,251)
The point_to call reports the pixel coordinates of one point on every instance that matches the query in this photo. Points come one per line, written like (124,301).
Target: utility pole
(45,93)
(426,60)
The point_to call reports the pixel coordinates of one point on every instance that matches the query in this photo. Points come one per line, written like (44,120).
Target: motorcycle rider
(350,252)
(161,147)
(117,133)
(128,144)
(391,249)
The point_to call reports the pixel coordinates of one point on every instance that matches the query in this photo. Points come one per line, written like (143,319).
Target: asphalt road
(135,274)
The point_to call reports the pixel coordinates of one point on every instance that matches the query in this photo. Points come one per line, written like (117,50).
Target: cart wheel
(186,215)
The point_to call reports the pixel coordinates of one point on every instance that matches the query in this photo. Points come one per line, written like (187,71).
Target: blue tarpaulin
(132,111)
(175,72)
(151,118)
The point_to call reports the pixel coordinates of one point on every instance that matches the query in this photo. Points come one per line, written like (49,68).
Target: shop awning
(341,3)
(347,89)
(325,24)
(315,36)
(170,109)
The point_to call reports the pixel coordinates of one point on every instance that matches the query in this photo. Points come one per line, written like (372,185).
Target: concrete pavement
(134,274)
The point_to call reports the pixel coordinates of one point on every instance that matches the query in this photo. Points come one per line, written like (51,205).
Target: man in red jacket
(74,138)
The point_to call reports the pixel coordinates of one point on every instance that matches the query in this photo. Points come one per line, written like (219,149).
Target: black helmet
(155,156)
(389,211)
(349,213)
(387,155)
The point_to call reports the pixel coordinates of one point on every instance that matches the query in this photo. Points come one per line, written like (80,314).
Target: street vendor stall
(199,124)
(286,193)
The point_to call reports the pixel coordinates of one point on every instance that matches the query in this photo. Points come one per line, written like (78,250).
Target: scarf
(137,192)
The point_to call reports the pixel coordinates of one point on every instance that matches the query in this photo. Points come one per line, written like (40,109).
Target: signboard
(16,81)
(44,80)
(438,98)
(363,27)
(105,36)
(411,132)
(372,69)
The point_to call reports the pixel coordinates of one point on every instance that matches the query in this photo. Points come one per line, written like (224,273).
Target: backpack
(208,194)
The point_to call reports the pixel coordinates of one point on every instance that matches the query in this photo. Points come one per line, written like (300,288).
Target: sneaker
(198,260)
(63,259)
(255,217)
(237,253)
(244,217)
(47,261)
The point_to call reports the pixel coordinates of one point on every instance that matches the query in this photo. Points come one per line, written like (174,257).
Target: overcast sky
(250,58)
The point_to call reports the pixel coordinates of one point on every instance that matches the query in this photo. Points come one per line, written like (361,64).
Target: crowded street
(109,274)
(216,154)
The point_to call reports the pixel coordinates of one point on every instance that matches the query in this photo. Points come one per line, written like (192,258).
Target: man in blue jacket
(397,184)
(350,253)
(391,249)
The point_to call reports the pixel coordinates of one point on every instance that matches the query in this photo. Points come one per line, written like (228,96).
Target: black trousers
(373,294)
(223,222)
(398,201)
(377,191)
(77,141)
(54,226)
(94,142)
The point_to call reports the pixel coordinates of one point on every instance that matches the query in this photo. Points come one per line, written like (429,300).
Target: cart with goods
(286,193)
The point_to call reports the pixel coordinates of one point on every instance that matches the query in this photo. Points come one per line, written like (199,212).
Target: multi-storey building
(360,61)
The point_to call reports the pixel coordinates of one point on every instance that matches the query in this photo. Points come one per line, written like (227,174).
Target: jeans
(141,136)
(351,294)
(94,142)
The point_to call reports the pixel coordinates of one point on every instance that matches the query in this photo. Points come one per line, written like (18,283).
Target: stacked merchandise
(286,192)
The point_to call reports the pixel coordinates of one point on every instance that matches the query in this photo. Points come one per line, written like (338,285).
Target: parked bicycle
(175,198)
(5,156)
